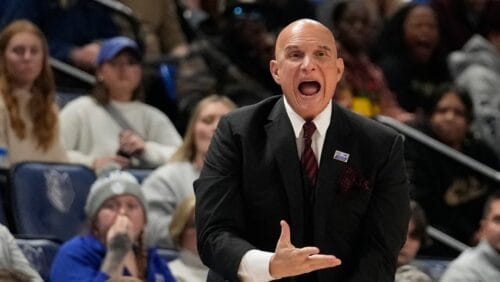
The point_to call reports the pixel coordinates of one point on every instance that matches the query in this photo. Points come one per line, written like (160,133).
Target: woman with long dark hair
(451,193)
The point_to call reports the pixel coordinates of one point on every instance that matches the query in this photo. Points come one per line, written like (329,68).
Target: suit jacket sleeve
(219,205)
(386,221)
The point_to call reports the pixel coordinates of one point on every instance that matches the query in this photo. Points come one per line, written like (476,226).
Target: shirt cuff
(254,266)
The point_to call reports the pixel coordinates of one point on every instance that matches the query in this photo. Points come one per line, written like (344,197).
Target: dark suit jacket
(252,179)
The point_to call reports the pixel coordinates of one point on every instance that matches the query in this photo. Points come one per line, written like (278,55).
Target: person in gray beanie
(114,183)
(116,212)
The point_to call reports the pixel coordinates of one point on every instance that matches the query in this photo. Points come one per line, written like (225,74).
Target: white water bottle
(4,158)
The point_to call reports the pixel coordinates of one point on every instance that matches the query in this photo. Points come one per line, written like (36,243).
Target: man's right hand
(291,261)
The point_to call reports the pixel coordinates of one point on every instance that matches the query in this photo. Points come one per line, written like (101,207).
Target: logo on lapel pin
(341,156)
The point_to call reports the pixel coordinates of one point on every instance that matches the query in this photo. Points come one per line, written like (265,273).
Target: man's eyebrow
(295,47)
(291,48)
(326,48)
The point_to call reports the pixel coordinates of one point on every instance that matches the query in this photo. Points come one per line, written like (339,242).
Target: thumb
(284,240)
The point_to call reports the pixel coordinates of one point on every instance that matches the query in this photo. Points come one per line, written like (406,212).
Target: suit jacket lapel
(281,139)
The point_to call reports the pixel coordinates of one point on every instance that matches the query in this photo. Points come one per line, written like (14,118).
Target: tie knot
(309,129)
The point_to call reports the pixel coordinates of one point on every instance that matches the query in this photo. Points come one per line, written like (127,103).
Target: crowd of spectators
(433,65)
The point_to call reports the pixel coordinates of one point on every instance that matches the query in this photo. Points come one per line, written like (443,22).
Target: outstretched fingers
(319,261)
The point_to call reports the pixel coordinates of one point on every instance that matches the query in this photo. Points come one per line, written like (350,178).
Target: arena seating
(48,199)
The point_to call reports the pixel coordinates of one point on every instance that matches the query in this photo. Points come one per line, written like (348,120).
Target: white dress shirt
(254,266)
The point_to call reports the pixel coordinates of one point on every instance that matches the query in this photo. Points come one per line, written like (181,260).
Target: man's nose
(308,64)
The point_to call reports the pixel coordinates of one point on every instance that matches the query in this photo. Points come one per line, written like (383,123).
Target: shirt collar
(321,121)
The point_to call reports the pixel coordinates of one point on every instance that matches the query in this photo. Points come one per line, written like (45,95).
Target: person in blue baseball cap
(113,128)
(112,47)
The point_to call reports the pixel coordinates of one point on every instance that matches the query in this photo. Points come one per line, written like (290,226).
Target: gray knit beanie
(115,183)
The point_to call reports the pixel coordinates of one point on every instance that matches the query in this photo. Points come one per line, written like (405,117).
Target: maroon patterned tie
(308,160)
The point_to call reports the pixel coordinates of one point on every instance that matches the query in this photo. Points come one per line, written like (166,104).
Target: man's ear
(273,67)
(340,68)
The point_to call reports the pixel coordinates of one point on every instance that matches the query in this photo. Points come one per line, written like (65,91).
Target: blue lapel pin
(341,156)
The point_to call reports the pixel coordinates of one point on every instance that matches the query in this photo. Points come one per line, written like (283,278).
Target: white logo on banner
(60,190)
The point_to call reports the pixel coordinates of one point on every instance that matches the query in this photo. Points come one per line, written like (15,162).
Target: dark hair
(417,214)
(462,94)
(487,206)
(338,11)
(392,37)
(492,20)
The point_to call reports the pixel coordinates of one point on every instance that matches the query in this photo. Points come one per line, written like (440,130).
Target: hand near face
(85,57)
(131,143)
(291,261)
(119,244)
(120,235)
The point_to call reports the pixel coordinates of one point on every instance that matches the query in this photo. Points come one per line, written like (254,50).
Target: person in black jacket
(263,213)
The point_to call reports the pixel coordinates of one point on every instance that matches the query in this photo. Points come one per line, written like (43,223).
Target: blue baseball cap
(111,47)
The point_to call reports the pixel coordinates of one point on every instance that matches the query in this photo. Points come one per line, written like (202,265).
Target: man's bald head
(299,28)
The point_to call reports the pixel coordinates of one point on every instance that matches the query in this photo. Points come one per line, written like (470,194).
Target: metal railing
(446,239)
(440,147)
(72,71)
(449,152)
(117,8)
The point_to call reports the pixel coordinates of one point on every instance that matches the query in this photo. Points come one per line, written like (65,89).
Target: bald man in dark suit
(275,201)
